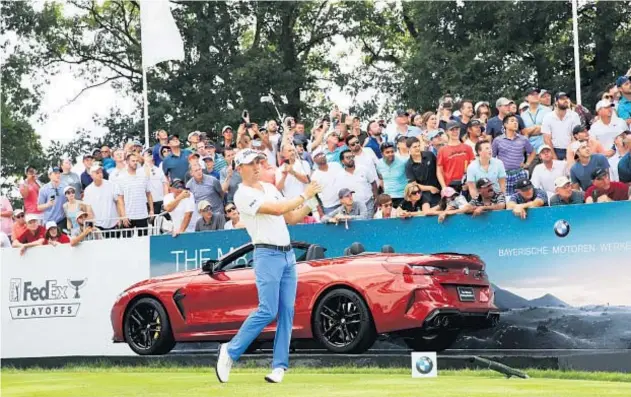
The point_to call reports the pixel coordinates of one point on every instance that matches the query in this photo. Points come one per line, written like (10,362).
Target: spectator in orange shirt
(581,135)
(454,157)
(19,226)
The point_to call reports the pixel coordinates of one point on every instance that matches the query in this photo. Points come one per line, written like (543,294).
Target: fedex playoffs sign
(47,299)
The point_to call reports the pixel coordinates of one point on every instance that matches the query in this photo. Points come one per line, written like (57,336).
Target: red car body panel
(215,305)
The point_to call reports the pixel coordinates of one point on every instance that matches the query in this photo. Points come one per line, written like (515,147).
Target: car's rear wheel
(342,322)
(432,342)
(147,328)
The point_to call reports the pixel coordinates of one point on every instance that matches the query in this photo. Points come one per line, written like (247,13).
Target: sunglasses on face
(19,216)
(415,192)
(69,192)
(354,143)
(229,210)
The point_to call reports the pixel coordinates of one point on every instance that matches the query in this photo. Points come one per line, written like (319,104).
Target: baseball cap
(247,156)
(604,103)
(401,113)
(193,155)
(95,168)
(54,169)
(542,148)
(31,217)
(453,124)
(621,80)
(50,224)
(483,182)
(344,192)
(194,133)
(18,212)
(543,92)
(578,128)
(523,184)
(202,205)
(598,172)
(94,151)
(88,156)
(147,151)
(177,184)
(317,153)
(226,127)
(503,102)
(523,105)
(386,145)
(532,90)
(69,187)
(208,158)
(448,192)
(81,213)
(560,95)
(433,134)
(172,137)
(136,142)
(474,123)
(561,181)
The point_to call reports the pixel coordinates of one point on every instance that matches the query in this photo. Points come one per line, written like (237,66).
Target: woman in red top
(29,189)
(54,236)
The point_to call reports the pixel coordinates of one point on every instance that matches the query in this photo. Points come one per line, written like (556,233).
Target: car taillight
(402,268)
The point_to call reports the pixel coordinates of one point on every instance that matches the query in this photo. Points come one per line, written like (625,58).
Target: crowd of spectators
(464,158)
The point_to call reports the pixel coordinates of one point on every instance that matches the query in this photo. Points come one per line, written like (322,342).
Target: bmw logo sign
(424,365)
(562,228)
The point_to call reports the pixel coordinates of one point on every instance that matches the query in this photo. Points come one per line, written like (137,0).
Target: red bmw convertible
(343,303)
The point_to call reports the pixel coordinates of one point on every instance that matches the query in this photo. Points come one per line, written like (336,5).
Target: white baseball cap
(31,217)
(542,148)
(247,156)
(604,103)
(561,181)
(95,167)
(50,224)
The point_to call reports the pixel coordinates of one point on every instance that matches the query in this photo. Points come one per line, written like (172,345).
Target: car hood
(173,277)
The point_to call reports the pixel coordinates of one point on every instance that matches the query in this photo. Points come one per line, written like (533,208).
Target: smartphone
(52,197)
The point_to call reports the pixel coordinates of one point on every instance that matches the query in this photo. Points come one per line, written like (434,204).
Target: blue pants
(276,282)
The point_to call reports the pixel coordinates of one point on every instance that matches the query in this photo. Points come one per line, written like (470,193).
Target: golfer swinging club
(265,213)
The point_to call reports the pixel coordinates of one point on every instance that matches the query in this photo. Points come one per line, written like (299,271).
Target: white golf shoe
(224,364)
(276,376)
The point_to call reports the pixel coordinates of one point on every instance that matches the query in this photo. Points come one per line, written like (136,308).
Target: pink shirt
(30,202)
(6,224)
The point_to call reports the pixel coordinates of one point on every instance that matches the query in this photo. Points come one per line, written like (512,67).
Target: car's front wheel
(147,328)
(432,342)
(342,322)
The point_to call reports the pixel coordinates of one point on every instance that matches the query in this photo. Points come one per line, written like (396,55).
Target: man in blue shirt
(533,118)
(175,165)
(162,137)
(51,199)
(375,138)
(391,171)
(525,197)
(624,106)
(581,171)
(495,126)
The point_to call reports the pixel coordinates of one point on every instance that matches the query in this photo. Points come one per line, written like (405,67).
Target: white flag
(160,38)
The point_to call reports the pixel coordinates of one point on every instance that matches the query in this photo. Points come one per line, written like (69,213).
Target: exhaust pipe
(446,321)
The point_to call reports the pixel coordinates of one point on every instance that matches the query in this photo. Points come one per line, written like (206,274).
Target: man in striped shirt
(511,148)
(136,197)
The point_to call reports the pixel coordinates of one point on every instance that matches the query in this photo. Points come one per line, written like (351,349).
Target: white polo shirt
(368,159)
(331,182)
(262,228)
(607,133)
(178,213)
(103,199)
(543,178)
(560,129)
(359,182)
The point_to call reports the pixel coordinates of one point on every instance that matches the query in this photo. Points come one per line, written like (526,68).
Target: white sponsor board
(424,365)
(56,301)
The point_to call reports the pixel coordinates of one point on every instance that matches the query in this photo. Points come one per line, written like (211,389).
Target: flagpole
(146,105)
(577,61)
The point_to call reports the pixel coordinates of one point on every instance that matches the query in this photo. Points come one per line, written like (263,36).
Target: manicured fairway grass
(334,382)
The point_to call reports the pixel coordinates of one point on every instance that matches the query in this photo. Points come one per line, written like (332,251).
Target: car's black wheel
(342,322)
(147,328)
(432,342)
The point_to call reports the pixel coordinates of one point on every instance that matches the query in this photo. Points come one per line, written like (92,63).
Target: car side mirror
(210,266)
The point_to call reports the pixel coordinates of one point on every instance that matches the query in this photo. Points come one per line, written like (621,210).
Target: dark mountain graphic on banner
(507,300)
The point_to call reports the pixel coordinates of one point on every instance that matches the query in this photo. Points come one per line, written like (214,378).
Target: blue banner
(575,259)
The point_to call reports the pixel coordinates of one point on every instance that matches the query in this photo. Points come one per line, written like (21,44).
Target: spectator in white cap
(564,194)
(33,236)
(546,173)
(233,216)
(227,141)
(51,198)
(180,205)
(158,184)
(208,219)
(350,209)
(54,236)
(87,230)
(545,98)
(607,128)
(86,179)
(102,196)
(193,139)
(69,178)
(71,208)
(482,111)
(522,108)
(19,226)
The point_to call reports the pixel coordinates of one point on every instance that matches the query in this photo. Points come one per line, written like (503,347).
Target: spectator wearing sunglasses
(385,207)
(19,224)
(234,218)
(414,202)
(208,220)
(71,208)
(52,199)
(488,198)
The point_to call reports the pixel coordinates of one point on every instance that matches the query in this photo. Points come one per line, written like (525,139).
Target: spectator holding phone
(52,199)
(87,230)
(229,176)
(181,206)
